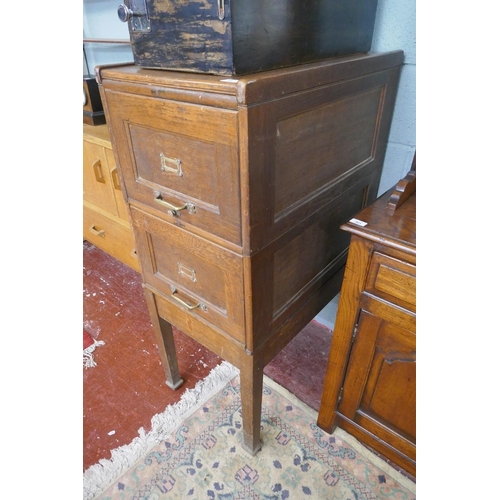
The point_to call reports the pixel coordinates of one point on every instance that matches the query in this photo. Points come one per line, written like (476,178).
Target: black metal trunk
(234,37)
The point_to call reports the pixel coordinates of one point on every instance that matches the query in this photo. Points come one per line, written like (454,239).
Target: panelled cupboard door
(379,392)
(97,181)
(121,204)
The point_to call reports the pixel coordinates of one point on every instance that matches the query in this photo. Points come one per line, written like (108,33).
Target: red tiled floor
(127,387)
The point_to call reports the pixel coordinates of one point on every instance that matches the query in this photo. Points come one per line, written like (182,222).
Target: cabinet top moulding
(251,89)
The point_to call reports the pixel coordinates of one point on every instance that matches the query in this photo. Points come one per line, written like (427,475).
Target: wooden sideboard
(370,383)
(106,222)
(236,188)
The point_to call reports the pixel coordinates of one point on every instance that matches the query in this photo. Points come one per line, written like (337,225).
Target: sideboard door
(379,392)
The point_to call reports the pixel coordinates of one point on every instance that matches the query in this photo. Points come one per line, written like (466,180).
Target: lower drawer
(111,236)
(202,279)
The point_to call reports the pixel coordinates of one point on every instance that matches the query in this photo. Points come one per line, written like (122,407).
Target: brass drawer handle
(116,181)
(190,307)
(99,177)
(97,232)
(173,209)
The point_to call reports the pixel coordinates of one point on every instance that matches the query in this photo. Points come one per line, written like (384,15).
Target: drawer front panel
(174,154)
(200,277)
(392,280)
(110,236)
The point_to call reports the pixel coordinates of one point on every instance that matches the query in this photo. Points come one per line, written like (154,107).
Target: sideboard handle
(116,181)
(97,232)
(99,177)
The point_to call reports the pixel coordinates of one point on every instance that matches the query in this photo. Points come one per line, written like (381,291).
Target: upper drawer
(201,278)
(392,280)
(179,158)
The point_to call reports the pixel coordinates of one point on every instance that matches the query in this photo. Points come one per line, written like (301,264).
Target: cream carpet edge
(97,478)
(344,436)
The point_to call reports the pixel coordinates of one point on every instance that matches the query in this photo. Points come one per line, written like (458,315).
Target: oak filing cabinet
(370,383)
(236,188)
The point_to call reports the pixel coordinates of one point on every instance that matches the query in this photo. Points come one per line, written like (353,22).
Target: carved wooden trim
(404,189)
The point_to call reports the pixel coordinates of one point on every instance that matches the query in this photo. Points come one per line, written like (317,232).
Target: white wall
(100,20)
(395,29)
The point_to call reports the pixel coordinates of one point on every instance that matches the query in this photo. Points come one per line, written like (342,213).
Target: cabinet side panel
(290,270)
(316,147)
(307,148)
(312,252)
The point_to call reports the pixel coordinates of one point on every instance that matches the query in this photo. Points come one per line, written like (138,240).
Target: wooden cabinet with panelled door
(237,188)
(370,384)
(106,222)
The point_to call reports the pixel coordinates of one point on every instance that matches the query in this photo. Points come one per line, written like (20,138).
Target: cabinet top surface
(257,86)
(98,134)
(397,230)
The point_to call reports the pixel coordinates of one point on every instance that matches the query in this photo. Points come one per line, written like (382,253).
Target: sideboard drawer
(180,155)
(113,237)
(200,277)
(392,280)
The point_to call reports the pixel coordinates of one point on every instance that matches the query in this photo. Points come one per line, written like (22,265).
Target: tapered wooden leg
(251,379)
(166,346)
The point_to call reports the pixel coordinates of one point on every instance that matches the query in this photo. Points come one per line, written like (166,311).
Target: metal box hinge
(221,10)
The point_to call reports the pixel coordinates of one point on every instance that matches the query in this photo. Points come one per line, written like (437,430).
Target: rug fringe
(98,477)
(88,357)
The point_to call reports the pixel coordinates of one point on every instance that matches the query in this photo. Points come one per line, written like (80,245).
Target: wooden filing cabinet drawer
(200,277)
(392,280)
(180,154)
(111,236)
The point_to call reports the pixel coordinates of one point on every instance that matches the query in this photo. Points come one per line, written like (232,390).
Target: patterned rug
(203,459)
